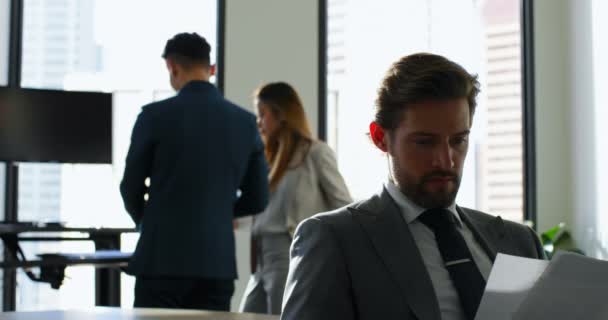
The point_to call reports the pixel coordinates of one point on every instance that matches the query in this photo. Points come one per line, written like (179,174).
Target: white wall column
(267,41)
(565,124)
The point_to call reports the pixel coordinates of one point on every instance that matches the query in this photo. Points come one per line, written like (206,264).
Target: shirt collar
(410,210)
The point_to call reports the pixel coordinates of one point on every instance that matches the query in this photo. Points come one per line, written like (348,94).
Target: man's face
(427,151)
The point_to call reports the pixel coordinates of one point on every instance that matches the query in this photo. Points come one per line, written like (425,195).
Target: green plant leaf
(552,235)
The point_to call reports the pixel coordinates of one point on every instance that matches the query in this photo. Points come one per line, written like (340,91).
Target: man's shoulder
(235,111)
(477,215)
(486,217)
(158,106)
(340,219)
(239,111)
(226,106)
(334,216)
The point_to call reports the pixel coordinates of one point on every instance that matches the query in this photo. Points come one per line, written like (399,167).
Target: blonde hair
(294,129)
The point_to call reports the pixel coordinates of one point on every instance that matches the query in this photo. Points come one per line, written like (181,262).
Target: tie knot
(438,219)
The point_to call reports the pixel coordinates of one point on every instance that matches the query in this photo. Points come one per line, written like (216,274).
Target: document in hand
(572,287)
(509,282)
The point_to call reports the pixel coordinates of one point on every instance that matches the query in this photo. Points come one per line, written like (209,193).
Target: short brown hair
(421,77)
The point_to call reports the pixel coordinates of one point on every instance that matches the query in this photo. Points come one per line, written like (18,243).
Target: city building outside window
(364,38)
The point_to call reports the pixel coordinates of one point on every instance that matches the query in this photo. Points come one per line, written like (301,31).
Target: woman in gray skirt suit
(304,180)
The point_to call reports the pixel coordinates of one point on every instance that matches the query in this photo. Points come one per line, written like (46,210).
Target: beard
(416,189)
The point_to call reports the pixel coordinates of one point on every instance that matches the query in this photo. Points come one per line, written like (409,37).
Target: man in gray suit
(408,252)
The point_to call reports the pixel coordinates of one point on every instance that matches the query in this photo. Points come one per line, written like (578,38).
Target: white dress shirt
(447,296)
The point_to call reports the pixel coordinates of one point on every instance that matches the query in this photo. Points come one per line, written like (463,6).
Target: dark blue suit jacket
(199,150)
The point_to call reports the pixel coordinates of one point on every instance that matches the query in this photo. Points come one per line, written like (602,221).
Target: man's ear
(377,133)
(212,69)
(172,67)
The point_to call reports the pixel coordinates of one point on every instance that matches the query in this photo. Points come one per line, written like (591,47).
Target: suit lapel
(392,239)
(489,232)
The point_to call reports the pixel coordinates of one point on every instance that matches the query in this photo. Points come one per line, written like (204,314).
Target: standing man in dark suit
(408,252)
(205,163)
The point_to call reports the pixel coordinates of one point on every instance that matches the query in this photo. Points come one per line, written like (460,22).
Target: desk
(132,314)
(107,280)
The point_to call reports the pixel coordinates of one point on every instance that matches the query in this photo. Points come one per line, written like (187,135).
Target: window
(483,36)
(95,45)
(600,82)
(4,40)
(2,193)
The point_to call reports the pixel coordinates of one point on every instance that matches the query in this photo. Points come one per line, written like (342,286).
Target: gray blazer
(361,262)
(319,186)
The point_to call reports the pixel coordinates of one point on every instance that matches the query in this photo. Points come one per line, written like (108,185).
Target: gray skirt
(264,293)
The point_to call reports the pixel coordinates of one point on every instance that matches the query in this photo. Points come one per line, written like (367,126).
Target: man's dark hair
(422,77)
(188,49)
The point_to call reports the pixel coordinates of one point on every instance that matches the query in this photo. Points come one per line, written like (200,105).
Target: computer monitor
(55,126)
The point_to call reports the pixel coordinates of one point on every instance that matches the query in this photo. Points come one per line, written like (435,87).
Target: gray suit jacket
(312,184)
(361,262)
(319,185)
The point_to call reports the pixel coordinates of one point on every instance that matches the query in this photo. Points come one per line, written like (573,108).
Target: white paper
(510,280)
(572,287)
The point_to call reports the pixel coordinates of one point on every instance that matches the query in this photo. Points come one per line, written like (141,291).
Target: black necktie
(457,258)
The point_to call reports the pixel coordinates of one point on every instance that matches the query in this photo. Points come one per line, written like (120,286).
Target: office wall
(272,40)
(585,224)
(565,125)
(600,66)
(269,40)
(553,141)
